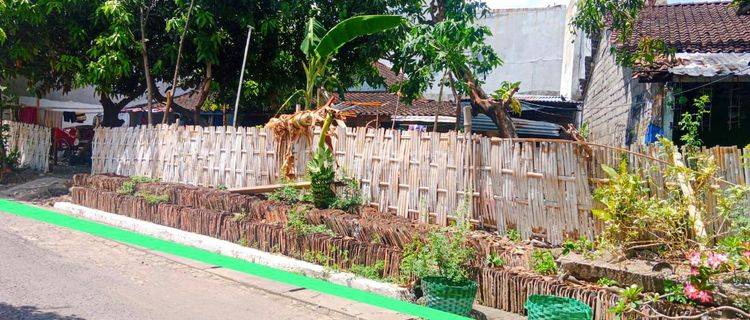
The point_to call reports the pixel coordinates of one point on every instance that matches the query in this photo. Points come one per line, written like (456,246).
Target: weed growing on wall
(297,222)
(153,199)
(373,271)
(130,186)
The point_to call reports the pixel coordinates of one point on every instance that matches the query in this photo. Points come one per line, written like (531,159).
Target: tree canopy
(63,44)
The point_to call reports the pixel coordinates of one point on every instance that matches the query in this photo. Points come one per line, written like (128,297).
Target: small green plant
(513,235)
(316,257)
(287,194)
(297,222)
(581,246)
(690,123)
(444,254)
(674,292)
(242,242)
(630,299)
(543,262)
(350,197)
(585,130)
(373,271)
(129,186)
(153,199)
(607,282)
(221,187)
(493,260)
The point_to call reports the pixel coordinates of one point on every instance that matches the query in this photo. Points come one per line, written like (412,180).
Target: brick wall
(616,107)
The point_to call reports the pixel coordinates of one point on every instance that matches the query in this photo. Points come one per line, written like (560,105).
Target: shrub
(350,197)
(373,271)
(581,246)
(287,194)
(542,262)
(606,282)
(444,254)
(513,235)
(493,260)
(634,219)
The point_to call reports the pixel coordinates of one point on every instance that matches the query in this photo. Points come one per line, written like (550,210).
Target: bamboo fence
(542,188)
(32,142)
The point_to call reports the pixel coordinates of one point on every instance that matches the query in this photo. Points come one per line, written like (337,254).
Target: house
(137,114)
(632,106)
(538,48)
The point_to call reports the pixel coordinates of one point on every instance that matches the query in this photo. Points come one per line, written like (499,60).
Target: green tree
(100,43)
(447,41)
(619,16)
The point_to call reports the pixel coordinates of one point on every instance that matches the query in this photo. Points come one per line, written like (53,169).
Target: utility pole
(242,76)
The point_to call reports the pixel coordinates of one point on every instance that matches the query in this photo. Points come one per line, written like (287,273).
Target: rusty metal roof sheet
(711,64)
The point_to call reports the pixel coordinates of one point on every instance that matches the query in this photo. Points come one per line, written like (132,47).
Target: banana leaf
(352,28)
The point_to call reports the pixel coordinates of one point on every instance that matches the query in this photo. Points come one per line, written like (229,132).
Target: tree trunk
(147,70)
(111,110)
(170,94)
(205,89)
(497,111)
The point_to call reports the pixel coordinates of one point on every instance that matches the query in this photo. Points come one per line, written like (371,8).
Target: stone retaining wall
(361,239)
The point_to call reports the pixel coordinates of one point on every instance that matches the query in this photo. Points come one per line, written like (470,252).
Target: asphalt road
(50,273)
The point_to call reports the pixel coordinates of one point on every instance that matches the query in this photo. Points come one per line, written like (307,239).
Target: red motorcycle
(74,144)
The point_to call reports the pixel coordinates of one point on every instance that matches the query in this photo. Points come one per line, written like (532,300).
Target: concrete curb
(236,251)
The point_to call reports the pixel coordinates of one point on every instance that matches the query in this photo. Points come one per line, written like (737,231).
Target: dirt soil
(42,188)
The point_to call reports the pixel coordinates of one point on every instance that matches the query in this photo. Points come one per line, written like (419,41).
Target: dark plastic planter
(444,295)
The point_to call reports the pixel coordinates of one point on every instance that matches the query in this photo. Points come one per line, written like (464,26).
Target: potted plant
(441,261)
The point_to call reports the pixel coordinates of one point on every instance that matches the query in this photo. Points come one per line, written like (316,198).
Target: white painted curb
(236,251)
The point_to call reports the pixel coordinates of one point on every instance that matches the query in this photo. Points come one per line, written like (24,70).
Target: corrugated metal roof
(711,64)
(543,98)
(524,128)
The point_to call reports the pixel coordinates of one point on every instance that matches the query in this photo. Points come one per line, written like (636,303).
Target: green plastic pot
(541,307)
(445,295)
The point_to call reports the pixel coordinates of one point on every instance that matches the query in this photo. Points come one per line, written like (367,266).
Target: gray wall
(530,41)
(616,107)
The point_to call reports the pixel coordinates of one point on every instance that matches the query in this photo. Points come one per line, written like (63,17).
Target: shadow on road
(9,312)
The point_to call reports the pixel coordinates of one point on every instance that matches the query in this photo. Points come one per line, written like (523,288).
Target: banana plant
(320,50)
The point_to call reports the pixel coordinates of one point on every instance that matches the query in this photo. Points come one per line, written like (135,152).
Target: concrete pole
(242,76)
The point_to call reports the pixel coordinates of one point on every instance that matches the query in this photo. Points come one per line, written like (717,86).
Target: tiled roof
(188,101)
(694,27)
(389,102)
(388,75)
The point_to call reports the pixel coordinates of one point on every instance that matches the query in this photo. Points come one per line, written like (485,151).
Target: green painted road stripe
(117,234)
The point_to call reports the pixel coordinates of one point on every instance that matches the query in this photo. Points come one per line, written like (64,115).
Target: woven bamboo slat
(542,188)
(33,143)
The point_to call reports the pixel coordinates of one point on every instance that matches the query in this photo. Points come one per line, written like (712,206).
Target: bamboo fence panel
(541,188)
(33,143)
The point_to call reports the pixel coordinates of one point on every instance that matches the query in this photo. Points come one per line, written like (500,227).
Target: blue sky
(496,4)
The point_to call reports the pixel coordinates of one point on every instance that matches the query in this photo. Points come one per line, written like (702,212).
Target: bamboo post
(699,228)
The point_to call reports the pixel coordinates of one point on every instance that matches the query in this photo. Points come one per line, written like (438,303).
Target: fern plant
(322,174)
